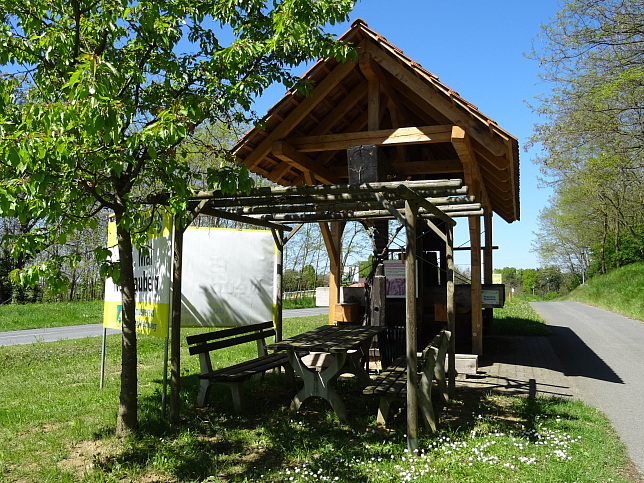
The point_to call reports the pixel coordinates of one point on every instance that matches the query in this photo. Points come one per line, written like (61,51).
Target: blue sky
(476,48)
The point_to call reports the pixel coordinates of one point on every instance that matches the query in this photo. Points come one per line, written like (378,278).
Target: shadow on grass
(216,443)
(519,326)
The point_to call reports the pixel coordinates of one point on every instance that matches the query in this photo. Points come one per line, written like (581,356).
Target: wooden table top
(328,338)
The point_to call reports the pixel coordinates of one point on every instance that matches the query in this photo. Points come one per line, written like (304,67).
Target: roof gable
(426,130)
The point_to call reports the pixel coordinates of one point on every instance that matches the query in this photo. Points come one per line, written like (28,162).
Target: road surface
(31,336)
(602,353)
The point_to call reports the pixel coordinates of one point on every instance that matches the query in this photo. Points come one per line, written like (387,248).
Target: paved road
(602,353)
(30,336)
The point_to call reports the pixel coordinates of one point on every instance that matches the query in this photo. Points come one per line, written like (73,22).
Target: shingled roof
(426,130)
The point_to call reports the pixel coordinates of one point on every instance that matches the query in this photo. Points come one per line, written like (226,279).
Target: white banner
(228,277)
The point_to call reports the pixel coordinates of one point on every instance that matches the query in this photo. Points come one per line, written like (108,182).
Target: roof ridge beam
(382,137)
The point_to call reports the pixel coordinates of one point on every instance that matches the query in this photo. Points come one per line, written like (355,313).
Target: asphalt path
(31,336)
(602,353)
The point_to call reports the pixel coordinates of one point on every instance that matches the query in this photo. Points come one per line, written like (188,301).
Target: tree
(591,57)
(97,97)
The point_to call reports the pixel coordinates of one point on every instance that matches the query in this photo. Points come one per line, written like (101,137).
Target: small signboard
(396,278)
(152,269)
(492,295)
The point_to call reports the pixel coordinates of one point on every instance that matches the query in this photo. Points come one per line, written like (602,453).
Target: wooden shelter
(422,129)
(379,138)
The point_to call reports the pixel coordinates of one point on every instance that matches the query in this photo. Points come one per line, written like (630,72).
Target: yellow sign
(151,319)
(152,279)
(497,278)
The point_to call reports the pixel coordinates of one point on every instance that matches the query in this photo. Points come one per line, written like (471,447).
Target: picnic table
(348,346)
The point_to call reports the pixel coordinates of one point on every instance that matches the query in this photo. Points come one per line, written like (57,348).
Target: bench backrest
(433,358)
(206,342)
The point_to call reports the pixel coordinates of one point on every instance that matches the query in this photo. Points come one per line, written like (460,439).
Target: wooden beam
(476,289)
(332,236)
(408,168)
(300,112)
(278,172)
(242,219)
(384,137)
(446,205)
(408,194)
(278,236)
(488,314)
(411,168)
(471,171)
(451,313)
(288,154)
(373,92)
(175,340)
(391,208)
(340,110)
(411,214)
(355,215)
(430,187)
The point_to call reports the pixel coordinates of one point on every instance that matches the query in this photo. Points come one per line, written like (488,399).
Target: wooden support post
(175,340)
(451,312)
(278,236)
(411,214)
(476,289)
(333,240)
(488,314)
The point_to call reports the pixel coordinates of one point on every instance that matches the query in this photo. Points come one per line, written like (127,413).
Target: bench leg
(425,404)
(439,375)
(204,390)
(383,410)
(289,374)
(236,392)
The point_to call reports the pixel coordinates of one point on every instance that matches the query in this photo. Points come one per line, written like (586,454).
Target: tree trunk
(616,244)
(127,415)
(603,245)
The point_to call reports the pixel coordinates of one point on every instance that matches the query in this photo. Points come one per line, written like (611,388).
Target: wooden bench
(391,384)
(235,375)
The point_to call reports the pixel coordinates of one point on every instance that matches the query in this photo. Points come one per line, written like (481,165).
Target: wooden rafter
(290,155)
(302,109)
(471,171)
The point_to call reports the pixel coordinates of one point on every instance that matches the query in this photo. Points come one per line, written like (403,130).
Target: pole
(165,378)
(175,347)
(411,211)
(451,313)
(103,358)
(278,237)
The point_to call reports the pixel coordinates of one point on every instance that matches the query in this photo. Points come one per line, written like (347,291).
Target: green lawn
(59,314)
(518,318)
(57,425)
(619,291)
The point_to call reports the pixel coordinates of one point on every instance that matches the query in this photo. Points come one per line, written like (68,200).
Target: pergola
(380,138)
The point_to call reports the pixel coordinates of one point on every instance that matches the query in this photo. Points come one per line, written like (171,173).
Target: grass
(59,314)
(619,291)
(56,425)
(298,303)
(518,318)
